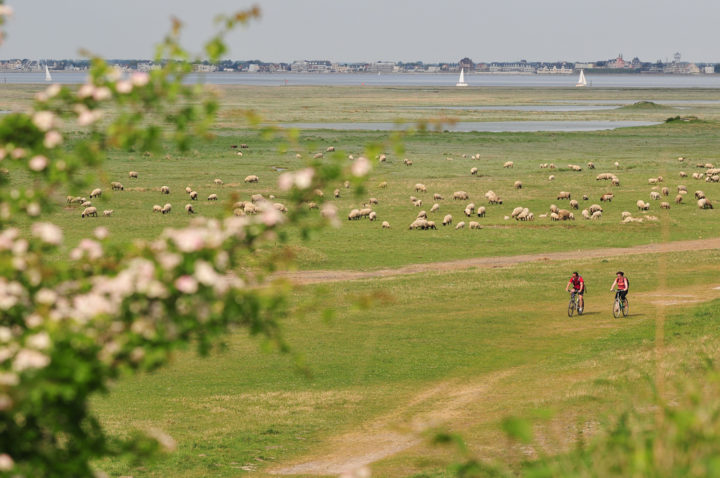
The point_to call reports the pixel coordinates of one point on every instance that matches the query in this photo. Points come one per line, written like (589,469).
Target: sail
(461,80)
(47,74)
(581,80)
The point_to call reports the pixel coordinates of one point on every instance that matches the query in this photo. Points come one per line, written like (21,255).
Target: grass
(458,349)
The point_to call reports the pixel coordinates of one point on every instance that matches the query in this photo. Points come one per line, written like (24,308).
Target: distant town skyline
(373,30)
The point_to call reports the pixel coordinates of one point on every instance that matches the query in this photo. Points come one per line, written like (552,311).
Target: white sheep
(218,182)
(116,186)
(626,214)
(642,205)
(574,204)
(280,207)
(435,207)
(474,225)
(481,211)
(437,197)
(665,191)
(596,215)
(460,225)
(385,225)
(448,219)
(420,187)
(257,198)
(166,209)
(407,162)
(157,208)
(96,193)
(252,179)
(474,171)
(508,164)
(421,215)
(133,174)
(518,185)
(89,211)
(554,216)
(164,190)
(372,216)
(704,203)
(654,195)
(189,209)
(678,199)
(516,212)
(382,185)
(586,214)
(336,193)
(86,204)
(212,197)
(108,212)
(664,205)
(551,177)
(193,195)
(594,208)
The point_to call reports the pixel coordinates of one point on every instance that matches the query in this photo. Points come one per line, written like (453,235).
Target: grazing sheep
(565,215)
(683,174)
(133,174)
(665,191)
(470,207)
(189,209)
(89,211)
(116,186)
(157,208)
(586,214)
(417,203)
(615,181)
(354,214)
(437,197)
(407,162)
(420,188)
(460,225)
(330,149)
(280,207)
(698,176)
(664,205)
(108,212)
(591,165)
(193,195)
(642,205)
(317,156)
(257,198)
(554,208)
(314,205)
(346,184)
(617,165)
(164,190)
(419,224)
(594,208)
(554,216)
(372,216)
(473,171)
(86,204)
(543,165)
(574,204)
(626,214)
(385,225)
(607,197)
(252,179)
(373,201)
(678,199)
(523,216)
(654,195)
(188,189)
(704,203)
(448,219)
(382,158)
(413,199)
(460,195)
(551,177)
(218,182)
(336,193)
(474,225)
(564,195)
(382,185)
(318,193)
(431,225)
(508,164)
(435,207)
(481,211)
(166,209)
(699,195)
(421,215)
(551,166)
(212,197)
(516,212)
(681,188)
(596,215)
(652,181)
(518,185)
(96,193)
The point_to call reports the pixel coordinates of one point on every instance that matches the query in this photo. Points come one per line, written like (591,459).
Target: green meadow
(388,361)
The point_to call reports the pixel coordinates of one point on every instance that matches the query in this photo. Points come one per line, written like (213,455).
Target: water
(536,108)
(481,126)
(405,79)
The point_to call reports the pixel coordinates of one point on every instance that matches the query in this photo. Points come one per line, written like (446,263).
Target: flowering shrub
(71,326)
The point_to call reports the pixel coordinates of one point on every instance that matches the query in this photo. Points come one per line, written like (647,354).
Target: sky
(372,30)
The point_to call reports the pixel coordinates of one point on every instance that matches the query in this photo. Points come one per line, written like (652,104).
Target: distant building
(382,67)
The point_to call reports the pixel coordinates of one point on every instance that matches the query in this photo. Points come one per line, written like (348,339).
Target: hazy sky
(371,30)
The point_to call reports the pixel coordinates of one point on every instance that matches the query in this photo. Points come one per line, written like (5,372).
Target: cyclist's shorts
(622,293)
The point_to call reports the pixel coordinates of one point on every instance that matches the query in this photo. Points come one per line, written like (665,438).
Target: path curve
(319,276)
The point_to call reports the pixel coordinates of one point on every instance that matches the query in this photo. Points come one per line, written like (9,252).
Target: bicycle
(574,304)
(620,306)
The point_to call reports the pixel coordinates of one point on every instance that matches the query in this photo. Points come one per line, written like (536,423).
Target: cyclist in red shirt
(577,284)
(622,283)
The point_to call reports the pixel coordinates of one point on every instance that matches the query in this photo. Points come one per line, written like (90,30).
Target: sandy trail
(318,276)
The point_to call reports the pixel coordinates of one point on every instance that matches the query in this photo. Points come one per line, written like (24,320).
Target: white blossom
(101,233)
(38,163)
(86,90)
(6,403)
(33,209)
(9,379)
(102,93)
(271,217)
(48,233)
(285,181)
(52,90)
(186,284)
(140,78)
(360,167)
(303,178)
(124,86)
(30,359)
(52,139)
(204,273)
(5,334)
(6,10)
(39,341)
(46,296)
(44,120)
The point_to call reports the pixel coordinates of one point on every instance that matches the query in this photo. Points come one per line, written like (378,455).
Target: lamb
(508,164)
(166,209)
(543,165)
(96,193)
(474,225)
(164,190)
(586,214)
(518,185)
(419,187)
(470,207)
(318,193)
(212,197)
(596,215)
(664,205)
(116,186)
(574,204)
(554,216)
(460,225)
(218,182)
(382,158)
(373,201)
(448,219)
(157,208)
(385,225)
(189,209)
(437,197)
(615,181)
(554,208)
(683,174)
(417,203)
(133,174)
(551,166)
(89,211)
(407,162)
(481,211)
(564,195)
(704,204)
(346,184)
(108,212)
(460,195)
(435,207)
(473,171)
(252,179)
(654,195)
(591,165)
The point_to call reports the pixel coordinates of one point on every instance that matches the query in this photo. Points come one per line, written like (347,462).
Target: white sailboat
(461,81)
(47,73)
(581,80)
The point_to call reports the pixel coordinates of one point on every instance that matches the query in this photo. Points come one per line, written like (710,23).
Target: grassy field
(454,351)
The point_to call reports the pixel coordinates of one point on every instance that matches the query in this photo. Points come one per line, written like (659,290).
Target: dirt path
(318,276)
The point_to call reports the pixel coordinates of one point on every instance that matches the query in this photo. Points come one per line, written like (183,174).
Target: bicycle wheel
(577,307)
(571,307)
(625,308)
(616,308)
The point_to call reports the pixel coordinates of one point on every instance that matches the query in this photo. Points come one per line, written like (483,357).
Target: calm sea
(408,79)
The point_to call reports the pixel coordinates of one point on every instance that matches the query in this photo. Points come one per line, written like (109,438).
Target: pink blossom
(30,359)
(101,233)
(204,273)
(271,216)
(188,240)
(48,233)
(360,167)
(39,341)
(186,284)
(102,93)
(33,209)
(9,379)
(87,117)
(44,120)
(87,90)
(5,334)
(285,181)
(168,261)
(33,320)
(38,163)
(3,153)
(93,249)
(6,10)
(17,153)
(89,306)
(6,403)
(303,178)
(140,78)
(124,86)
(52,90)
(46,296)
(52,139)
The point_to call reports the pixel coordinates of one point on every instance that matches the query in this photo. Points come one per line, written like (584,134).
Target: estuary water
(481,126)
(406,79)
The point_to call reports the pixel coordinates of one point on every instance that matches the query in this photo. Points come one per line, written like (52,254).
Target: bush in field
(69,327)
